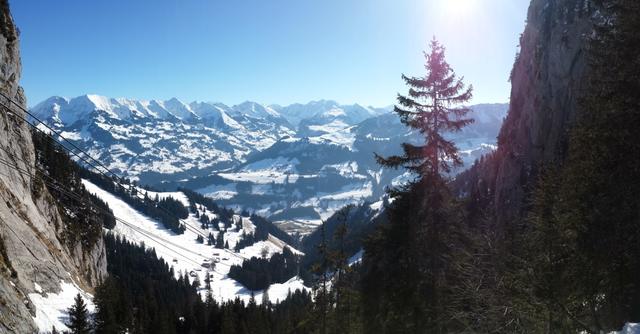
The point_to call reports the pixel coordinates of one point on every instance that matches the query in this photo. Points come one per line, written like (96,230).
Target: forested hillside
(541,234)
(537,237)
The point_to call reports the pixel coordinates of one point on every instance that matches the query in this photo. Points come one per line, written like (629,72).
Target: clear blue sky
(277,51)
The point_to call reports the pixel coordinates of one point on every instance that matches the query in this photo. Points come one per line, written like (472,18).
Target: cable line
(119,180)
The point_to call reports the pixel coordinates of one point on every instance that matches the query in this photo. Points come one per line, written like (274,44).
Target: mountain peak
(255,109)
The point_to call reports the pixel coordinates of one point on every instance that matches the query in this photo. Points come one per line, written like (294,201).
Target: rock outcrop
(32,257)
(547,81)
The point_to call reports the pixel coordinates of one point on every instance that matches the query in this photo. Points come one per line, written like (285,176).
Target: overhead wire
(118,180)
(114,177)
(74,195)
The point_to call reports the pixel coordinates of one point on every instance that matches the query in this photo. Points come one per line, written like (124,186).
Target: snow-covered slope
(300,180)
(52,308)
(147,138)
(197,260)
(296,164)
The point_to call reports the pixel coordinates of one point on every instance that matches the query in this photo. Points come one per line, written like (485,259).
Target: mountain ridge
(163,109)
(294,163)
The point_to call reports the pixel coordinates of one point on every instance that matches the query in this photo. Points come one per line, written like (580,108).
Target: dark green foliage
(206,223)
(587,212)
(167,210)
(220,240)
(432,108)
(142,296)
(224,215)
(412,264)
(83,214)
(246,241)
(259,273)
(359,224)
(336,285)
(111,309)
(571,264)
(264,227)
(78,322)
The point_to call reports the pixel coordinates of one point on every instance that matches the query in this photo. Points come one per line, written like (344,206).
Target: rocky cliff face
(32,258)
(547,80)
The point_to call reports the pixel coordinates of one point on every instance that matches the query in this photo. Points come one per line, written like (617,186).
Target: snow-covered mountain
(294,164)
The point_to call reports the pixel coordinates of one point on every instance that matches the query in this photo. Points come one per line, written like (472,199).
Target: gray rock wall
(547,81)
(30,226)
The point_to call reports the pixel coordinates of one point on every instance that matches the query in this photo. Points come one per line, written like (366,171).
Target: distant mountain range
(294,164)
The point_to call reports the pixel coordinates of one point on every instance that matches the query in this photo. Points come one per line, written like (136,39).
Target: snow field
(187,256)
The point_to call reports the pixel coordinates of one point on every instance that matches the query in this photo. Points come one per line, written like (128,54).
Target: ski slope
(187,256)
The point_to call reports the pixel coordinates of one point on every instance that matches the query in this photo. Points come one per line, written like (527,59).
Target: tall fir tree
(432,107)
(78,322)
(424,233)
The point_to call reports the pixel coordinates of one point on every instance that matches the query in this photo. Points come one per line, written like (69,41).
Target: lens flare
(459,7)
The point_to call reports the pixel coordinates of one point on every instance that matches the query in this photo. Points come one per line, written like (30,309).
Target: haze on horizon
(273,53)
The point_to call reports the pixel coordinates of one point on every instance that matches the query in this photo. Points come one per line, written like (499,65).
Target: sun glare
(458,7)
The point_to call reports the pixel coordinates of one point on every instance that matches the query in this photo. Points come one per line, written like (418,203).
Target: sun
(459,7)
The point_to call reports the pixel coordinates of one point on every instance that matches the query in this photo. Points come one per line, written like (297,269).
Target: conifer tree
(265,302)
(432,108)
(207,282)
(78,317)
(321,291)
(220,240)
(340,269)
(105,318)
(409,272)
(597,206)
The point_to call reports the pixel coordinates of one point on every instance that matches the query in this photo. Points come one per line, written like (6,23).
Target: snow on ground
(51,308)
(185,254)
(629,328)
(327,204)
(376,205)
(347,169)
(218,192)
(351,191)
(302,226)
(342,137)
(177,195)
(267,247)
(71,135)
(277,164)
(356,258)
(259,249)
(259,177)
(278,292)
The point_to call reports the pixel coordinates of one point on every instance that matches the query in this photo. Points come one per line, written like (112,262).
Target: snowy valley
(295,164)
